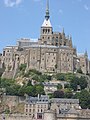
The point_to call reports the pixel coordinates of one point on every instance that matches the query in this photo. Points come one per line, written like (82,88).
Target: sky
(23,19)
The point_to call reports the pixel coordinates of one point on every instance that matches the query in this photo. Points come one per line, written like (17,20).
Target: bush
(60,76)
(22,67)
(84,98)
(78,81)
(58,94)
(79,71)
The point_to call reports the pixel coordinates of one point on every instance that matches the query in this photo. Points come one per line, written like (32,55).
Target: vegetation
(38,76)
(1,71)
(58,94)
(11,87)
(84,98)
(22,67)
(82,82)
(79,71)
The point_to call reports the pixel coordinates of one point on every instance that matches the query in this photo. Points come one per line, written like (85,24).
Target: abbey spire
(47,22)
(47,11)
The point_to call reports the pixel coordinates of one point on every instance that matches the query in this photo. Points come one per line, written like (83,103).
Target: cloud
(12,3)
(86,7)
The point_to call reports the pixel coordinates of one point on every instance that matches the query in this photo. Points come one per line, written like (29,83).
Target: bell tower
(46,28)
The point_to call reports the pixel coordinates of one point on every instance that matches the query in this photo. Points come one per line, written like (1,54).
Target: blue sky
(23,18)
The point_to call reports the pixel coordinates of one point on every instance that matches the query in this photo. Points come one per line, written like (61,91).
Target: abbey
(52,52)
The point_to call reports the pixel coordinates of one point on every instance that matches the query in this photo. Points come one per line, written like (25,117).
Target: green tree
(84,98)
(78,81)
(60,76)
(30,90)
(74,82)
(22,91)
(39,90)
(23,67)
(83,82)
(58,94)
(68,93)
(12,90)
(29,83)
(79,71)
(59,86)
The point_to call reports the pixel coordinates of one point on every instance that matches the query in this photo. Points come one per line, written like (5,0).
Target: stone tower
(46,28)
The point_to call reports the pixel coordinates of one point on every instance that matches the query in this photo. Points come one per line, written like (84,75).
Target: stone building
(63,105)
(51,52)
(35,106)
(43,108)
(50,87)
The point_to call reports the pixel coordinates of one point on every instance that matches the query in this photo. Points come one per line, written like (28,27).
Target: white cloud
(86,7)
(11,3)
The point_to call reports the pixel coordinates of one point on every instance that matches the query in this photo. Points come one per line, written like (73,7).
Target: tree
(74,82)
(21,91)
(39,90)
(29,83)
(83,82)
(78,81)
(84,98)
(58,94)
(23,67)
(30,90)
(60,76)
(12,90)
(68,93)
(80,70)
(59,86)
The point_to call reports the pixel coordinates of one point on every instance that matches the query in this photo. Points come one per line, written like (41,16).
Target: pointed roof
(47,11)
(47,22)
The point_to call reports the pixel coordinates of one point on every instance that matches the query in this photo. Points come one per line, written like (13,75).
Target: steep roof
(46,23)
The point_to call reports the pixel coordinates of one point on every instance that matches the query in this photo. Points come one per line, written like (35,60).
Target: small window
(48,37)
(29,110)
